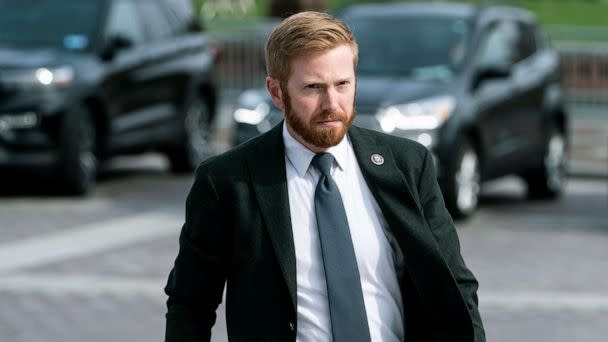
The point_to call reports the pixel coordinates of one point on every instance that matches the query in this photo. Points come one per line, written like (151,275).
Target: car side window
(158,26)
(527,42)
(123,21)
(182,16)
(498,46)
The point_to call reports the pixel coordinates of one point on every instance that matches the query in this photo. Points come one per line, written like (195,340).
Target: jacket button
(292,326)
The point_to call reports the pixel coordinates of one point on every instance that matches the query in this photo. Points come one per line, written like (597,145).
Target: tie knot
(323,162)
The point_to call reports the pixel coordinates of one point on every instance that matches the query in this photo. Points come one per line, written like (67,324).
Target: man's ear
(274,89)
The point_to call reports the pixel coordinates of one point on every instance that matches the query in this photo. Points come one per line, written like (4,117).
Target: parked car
(479,86)
(81,81)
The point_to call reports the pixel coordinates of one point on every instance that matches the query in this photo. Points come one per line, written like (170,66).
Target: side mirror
(488,72)
(113,45)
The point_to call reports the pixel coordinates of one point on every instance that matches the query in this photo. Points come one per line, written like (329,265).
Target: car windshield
(63,24)
(417,47)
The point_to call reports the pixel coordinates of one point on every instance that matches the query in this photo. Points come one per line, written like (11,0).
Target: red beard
(314,134)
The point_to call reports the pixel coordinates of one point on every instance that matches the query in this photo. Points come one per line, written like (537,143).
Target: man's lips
(330,119)
(333,122)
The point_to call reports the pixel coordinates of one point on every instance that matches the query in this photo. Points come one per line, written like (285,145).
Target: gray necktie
(346,307)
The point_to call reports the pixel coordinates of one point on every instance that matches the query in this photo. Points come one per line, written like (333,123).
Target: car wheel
(548,180)
(195,146)
(78,162)
(462,186)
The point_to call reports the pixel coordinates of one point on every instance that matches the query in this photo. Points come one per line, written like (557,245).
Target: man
(321,231)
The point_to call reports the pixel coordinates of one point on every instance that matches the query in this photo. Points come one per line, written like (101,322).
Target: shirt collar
(300,156)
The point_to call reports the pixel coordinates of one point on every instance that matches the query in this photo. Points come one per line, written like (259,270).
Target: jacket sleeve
(444,232)
(196,282)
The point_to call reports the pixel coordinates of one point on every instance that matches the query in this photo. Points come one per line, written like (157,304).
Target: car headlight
(425,114)
(252,116)
(60,77)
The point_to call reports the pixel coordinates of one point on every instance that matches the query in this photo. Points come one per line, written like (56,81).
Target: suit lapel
(385,180)
(387,183)
(402,211)
(424,263)
(267,169)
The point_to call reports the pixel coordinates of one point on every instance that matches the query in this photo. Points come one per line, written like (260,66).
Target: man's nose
(330,100)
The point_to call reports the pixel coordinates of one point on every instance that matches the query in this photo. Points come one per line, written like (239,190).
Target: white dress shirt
(378,258)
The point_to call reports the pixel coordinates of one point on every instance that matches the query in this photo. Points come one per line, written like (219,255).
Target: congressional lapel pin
(377,159)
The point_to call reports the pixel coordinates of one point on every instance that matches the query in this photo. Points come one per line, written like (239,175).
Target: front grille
(6,92)
(8,88)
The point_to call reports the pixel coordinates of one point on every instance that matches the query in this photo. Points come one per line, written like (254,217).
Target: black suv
(83,80)
(479,86)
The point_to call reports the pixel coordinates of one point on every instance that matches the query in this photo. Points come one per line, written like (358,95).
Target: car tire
(463,183)
(78,162)
(194,146)
(549,179)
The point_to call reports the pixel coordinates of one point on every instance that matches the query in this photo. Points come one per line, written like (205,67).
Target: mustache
(331,115)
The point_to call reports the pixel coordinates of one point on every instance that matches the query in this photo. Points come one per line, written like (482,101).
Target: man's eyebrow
(338,80)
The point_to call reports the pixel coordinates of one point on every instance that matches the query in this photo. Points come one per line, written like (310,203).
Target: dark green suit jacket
(238,232)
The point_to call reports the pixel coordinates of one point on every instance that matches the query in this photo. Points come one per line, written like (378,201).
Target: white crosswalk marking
(86,285)
(86,240)
(544,300)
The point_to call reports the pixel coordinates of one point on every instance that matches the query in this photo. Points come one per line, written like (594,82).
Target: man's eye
(343,85)
(313,86)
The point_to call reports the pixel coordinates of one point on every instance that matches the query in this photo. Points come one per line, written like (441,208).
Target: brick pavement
(113,294)
(548,252)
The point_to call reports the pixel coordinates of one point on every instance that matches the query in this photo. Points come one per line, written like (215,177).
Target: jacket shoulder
(402,148)
(232,162)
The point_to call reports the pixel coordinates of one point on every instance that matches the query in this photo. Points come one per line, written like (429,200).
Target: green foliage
(576,13)
(549,12)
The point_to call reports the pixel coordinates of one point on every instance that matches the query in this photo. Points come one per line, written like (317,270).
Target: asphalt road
(93,269)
